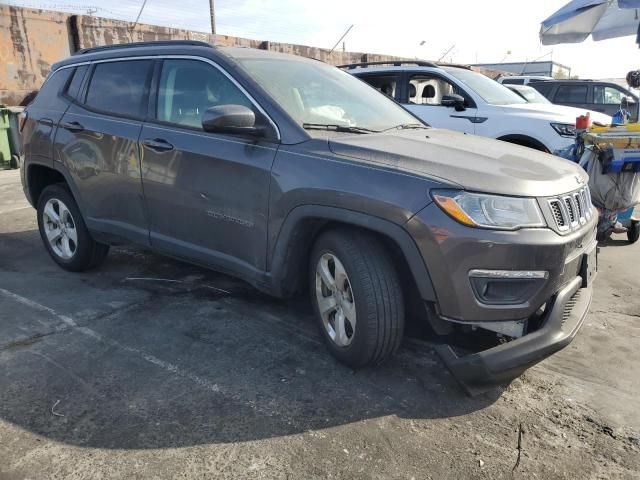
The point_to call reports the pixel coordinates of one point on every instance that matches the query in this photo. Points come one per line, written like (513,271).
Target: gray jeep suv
(287,172)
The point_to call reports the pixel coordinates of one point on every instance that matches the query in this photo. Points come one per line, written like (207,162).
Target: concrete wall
(32,40)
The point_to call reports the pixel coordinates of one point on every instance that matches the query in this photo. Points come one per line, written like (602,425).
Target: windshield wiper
(337,128)
(407,126)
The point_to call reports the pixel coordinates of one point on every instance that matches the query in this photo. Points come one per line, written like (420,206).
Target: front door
(424,99)
(206,193)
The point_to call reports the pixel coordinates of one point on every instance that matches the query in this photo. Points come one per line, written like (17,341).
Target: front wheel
(64,233)
(357,298)
(633,233)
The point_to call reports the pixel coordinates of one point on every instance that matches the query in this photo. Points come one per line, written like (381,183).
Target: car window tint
(571,94)
(543,88)
(429,90)
(189,87)
(386,84)
(119,87)
(607,95)
(73,88)
(513,81)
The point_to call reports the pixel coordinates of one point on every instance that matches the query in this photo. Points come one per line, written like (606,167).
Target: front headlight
(564,129)
(490,211)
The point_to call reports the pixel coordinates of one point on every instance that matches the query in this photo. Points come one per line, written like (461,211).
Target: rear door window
(572,94)
(120,87)
(387,84)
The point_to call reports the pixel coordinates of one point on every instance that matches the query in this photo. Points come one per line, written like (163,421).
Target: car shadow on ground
(200,358)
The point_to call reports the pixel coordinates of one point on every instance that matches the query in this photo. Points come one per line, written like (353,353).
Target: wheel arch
(524,140)
(41,175)
(289,256)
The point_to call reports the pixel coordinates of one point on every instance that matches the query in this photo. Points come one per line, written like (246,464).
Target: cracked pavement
(148,367)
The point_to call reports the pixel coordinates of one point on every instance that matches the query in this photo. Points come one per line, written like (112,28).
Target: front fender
(296,236)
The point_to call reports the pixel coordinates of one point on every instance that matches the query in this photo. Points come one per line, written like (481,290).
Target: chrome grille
(570,211)
(569,204)
(577,198)
(557,213)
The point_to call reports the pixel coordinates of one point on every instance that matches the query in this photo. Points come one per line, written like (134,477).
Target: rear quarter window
(120,87)
(544,88)
(73,87)
(513,81)
(49,95)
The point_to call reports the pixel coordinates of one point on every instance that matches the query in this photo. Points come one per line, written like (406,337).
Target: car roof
(172,47)
(519,87)
(400,66)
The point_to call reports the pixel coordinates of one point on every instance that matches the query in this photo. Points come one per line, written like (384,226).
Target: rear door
(97,143)
(424,99)
(572,95)
(43,115)
(206,193)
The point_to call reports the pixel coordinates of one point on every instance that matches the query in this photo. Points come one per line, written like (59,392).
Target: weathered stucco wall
(32,40)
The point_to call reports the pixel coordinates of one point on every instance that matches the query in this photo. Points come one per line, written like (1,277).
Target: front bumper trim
(482,371)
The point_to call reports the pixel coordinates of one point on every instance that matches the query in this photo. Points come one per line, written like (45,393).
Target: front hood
(474,163)
(556,113)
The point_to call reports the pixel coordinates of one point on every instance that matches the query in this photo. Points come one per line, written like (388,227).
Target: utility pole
(340,39)
(213,17)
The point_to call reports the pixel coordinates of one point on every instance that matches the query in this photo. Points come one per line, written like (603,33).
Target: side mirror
(233,119)
(454,100)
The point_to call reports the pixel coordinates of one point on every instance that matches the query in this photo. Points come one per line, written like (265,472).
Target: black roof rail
(454,65)
(160,43)
(395,63)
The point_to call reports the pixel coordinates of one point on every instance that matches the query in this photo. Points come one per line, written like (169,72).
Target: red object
(583,122)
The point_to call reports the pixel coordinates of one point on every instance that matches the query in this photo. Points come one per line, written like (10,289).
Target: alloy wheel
(60,229)
(335,300)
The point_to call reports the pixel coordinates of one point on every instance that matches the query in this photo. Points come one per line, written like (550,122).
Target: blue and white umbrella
(602,19)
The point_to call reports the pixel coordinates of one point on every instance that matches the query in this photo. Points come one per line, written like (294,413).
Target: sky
(475,31)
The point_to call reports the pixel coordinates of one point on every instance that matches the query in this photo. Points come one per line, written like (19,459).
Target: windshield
(531,95)
(316,94)
(489,90)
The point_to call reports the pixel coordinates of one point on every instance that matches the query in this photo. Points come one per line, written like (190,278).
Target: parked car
(530,94)
(604,97)
(290,173)
(458,98)
(522,79)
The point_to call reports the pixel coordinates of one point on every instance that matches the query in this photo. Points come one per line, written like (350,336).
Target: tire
(369,292)
(59,218)
(633,234)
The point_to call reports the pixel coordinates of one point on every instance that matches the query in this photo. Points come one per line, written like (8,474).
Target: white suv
(522,79)
(457,98)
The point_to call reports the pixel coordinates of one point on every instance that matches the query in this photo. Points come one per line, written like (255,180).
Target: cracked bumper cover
(484,370)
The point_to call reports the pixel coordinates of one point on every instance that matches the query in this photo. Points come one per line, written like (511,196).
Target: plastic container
(583,122)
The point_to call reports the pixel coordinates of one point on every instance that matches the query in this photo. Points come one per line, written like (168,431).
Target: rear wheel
(64,232)
(356,294)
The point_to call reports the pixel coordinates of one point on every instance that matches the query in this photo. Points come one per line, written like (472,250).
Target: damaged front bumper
(482,371)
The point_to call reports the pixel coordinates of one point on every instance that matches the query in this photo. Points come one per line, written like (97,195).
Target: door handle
(72,126)
(157,144)
(46,121)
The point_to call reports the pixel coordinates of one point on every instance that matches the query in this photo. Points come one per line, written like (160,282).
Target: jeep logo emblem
(579,180)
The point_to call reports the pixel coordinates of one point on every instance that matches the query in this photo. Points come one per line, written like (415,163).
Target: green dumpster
(15,143)
(5,149)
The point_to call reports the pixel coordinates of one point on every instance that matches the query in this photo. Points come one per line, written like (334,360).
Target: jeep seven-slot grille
(571,211)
